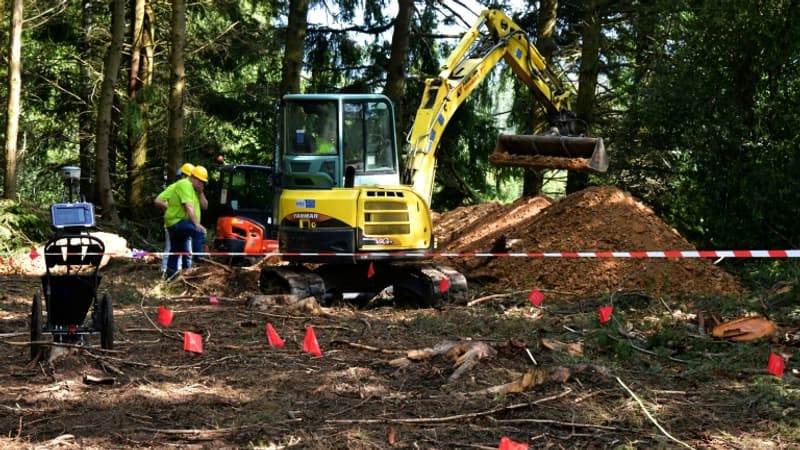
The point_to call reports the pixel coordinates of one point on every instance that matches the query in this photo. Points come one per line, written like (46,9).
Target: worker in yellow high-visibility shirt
(182,217)
(326,139)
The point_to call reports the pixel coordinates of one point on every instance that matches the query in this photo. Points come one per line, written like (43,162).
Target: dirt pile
(595,219)
(463,227)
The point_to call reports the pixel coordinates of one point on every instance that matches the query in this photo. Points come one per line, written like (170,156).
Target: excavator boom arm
(469,64)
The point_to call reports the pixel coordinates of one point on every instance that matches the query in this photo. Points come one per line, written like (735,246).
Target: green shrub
(22,225)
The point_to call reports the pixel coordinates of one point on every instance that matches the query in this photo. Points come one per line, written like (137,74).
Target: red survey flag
(310,344)
(192,342)
(273,338)
(775,365)
(34,254)
(164,316)
(508,444)
(213,300)
(605,313)
(536,297)
(444,284)
(370,271)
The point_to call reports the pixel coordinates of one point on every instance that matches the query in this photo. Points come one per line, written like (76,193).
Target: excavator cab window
(326,137)
(369,137)
(312,128)
(311,144)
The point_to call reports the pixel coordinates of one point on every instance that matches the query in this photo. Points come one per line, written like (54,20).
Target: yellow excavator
(351,220)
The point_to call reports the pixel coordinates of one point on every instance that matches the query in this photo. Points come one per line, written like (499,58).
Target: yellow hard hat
(200,173)
(187,169)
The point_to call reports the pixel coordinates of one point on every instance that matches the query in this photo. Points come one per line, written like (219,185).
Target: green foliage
(765,275)
(234,82)
(463,158)
(699,102)
(22,225)
(710,138)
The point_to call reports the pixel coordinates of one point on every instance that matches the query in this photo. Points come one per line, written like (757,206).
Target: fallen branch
(432,420)
(204,364)
(494,296)
(278,316)
(509,294)
(60,344)
(539,376)
(368,347)
(650,417)
(204,261)
(7,335)
(465,354)
(206,432)
(558,423)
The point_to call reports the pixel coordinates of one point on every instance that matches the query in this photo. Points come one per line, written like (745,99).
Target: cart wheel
(36,325)
(107,328)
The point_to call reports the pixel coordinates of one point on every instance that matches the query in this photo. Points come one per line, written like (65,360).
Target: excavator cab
(244,228)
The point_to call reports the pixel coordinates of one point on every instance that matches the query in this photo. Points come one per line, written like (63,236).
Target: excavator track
(456,289)
(291,280)
(412,283)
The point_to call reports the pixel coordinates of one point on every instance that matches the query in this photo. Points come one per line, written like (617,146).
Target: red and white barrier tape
(600,254)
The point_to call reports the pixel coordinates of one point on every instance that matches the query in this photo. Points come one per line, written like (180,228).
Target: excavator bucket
(550,152)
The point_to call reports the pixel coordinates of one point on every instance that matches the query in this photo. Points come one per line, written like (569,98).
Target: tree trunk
(587,82)
(141,71)
(14,93)
(178,82)
(295,40)
(87,121)
(103,134)
(533,180)
(395,72)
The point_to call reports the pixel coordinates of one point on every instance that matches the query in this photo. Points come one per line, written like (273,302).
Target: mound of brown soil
(463,227)
(595,219)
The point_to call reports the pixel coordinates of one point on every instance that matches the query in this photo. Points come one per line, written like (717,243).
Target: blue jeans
(185,261)
(179,236)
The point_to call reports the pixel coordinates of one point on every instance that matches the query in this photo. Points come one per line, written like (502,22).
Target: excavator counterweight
(550,152)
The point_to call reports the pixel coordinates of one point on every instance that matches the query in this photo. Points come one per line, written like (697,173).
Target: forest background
(698,101)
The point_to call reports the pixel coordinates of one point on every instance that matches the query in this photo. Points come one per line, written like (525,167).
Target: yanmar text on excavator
(345,200)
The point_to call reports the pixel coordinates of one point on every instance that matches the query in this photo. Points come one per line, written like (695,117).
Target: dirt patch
(380,382)
(455,377)
(595,219)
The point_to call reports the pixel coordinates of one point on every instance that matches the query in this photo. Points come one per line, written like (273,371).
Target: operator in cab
(326,138)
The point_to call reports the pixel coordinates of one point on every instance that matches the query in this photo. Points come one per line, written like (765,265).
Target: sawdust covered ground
(553,377)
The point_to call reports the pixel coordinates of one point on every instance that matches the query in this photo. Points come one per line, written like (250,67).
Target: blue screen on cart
(72,215)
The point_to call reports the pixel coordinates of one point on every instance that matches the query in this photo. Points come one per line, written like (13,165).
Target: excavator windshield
(338,141)
(368,146)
